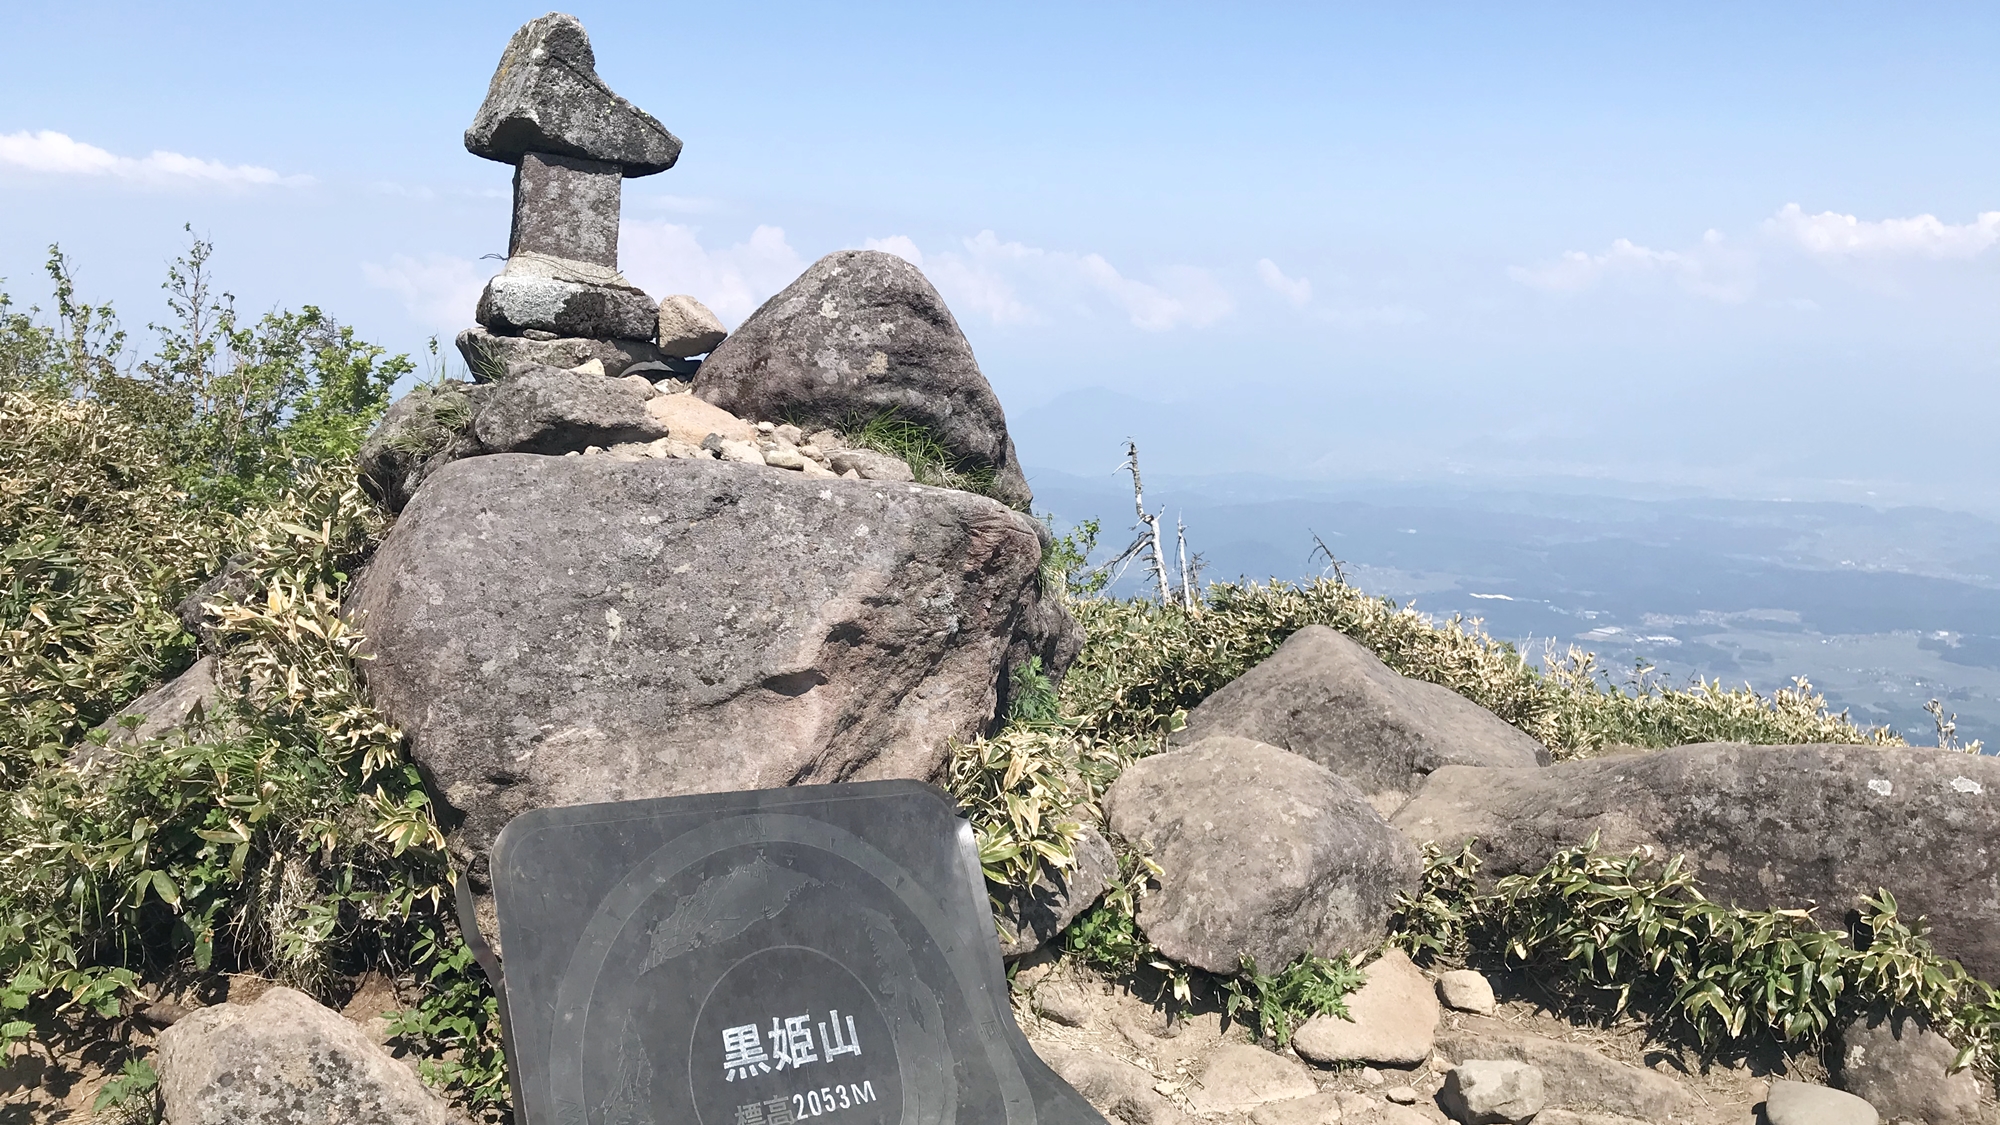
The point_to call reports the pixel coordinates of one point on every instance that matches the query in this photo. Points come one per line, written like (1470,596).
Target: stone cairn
(560,300)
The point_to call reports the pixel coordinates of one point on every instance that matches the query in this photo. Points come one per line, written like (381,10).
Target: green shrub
(1616,932)
(274,834)
(889,432)
(232,407)
(1144,665)
(284,832)
(97,548)
(1311,986)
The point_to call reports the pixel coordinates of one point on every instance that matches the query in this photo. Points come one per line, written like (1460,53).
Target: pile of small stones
(725,437)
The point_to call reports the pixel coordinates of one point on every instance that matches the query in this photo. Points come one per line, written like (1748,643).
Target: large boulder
(562,630)
(861,334)
(1264,854)
(1802,1103)
(1762,826)
(546,97)
(1324,695)
(1903,1069)
(282,1060)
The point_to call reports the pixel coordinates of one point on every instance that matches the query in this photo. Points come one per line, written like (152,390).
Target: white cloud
(1713,269)
(54,154)
(664,258)
(1831,233)
(986,275)
(900,245)
(439,290)
(1296,290)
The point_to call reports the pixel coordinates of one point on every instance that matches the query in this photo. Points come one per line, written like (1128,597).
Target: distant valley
(1882,609)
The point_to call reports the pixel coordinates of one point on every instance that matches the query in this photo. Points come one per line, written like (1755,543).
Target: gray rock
(1240,1076)
(1800,1103)
(420,433)
(284,1060)
(1575,1077)
(566,208)
(1318,1109)
(687,328)
(784,457)
(553,631)
(188,698)
(1394,1019)
(567,298)
(184,702)
(546,97)
(1029,918)
(870,464)
(548,410)
(1492,1092)
(1903,1069)
(1763,826)
(490,357)
(1114,1086)
(1401,1095)
(537,410)
(1467,990)
(1265,855)
(859,335)
(1325,696)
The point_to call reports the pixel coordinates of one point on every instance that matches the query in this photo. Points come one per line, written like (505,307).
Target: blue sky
(1754,253)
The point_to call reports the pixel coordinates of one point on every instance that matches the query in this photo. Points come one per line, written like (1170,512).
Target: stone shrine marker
(761,958)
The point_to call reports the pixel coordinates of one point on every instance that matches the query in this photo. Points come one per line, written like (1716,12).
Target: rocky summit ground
(1142,1065)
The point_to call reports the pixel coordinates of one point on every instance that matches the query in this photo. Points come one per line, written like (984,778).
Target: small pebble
(1371,1076)
(1401,1095)
(766,427)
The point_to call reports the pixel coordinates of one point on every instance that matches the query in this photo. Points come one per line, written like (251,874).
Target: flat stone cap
(546,97)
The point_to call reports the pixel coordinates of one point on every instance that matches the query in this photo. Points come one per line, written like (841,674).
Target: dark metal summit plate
(816,954)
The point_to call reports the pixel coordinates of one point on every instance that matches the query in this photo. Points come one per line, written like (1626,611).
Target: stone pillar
(566,207)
